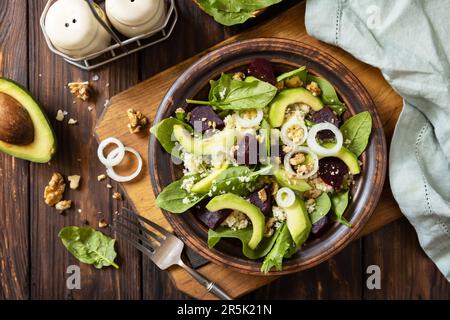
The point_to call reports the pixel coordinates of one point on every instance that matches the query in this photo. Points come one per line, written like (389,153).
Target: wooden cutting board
(146,97)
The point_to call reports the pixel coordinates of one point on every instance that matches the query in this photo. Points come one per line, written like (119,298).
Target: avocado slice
(211,145)
(349,158)
(297,220)
(295,184)
(33,139)
(287,97)
(234,202)
(204,185)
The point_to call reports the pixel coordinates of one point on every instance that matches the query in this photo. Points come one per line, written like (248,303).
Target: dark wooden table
(33,261)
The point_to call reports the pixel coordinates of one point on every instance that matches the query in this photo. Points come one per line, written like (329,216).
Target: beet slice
(204,115)
(247,152)
(262,69)
(320,226)
(212,219)
(325,115)
(264,206)
(332,170)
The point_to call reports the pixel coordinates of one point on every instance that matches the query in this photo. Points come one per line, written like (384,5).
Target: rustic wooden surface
(33,262)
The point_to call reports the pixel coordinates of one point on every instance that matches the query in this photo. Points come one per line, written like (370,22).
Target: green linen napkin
(409,41)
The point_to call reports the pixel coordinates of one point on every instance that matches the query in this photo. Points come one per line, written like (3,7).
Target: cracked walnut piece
(314,88)
(137,121)
(63,205)
(53,193)
(80,90)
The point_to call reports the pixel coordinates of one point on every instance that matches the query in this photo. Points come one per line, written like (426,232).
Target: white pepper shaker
(74,30)
(135,17)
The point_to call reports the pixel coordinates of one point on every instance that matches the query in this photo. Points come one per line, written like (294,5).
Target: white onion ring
(119,154)
(285,197)
(113,175)
(298,149)
(316,147)
(284,131)
(246,123)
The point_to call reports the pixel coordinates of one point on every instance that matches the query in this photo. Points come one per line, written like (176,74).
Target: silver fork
(164,249)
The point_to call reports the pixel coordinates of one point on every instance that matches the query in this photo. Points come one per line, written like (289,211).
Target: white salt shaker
(74,30)
(135,17)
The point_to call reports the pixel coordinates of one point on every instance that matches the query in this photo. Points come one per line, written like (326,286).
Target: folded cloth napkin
(408,40)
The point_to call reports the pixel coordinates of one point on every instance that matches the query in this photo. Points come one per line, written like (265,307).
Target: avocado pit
(16,126)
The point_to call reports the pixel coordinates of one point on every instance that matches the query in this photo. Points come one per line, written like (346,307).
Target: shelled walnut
(137,121)
(80,90)
(53,193)
(63,205)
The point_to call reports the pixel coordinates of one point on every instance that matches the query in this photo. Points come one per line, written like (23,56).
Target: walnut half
(53,193)
(80,90)
(137,121)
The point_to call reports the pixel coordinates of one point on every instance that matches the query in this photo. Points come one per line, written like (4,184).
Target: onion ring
(298,149)
(247,123)
(285,197)
(316,147)
(119,154)
(113,175)
(284,131)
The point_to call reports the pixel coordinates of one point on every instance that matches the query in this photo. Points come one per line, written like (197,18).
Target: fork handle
(209,285)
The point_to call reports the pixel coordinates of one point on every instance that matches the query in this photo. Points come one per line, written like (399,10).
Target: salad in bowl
(266,158)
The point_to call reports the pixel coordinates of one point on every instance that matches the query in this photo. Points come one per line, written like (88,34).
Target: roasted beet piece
(256,198)
(262,69)
(247,152)
(332,170)
(201,116)
(320,226)
(325,115)
(212,219)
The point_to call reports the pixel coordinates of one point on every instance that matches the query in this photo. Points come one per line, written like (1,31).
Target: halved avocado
(25,130)
(297,220)
(204,185)
(287,97)
(234,202)
(217,142)
(295,184)
(349,158)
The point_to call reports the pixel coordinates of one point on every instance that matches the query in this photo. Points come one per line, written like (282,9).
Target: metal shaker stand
(118,48)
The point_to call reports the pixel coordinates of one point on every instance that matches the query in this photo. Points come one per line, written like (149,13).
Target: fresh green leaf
(231,12)
(163,132)
(89,246)
(301,72)
(237,180)
(339,202)
(329,95)
(244,235)
(227,94)
(323,206)
(356,131)
(175,199)
(284,247)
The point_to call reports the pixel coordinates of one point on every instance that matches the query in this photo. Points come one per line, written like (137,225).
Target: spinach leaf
(244,235)
(339,202)
(89,246)
(176,199)
(329,95)
(163,132)
(323,206)
(356,131)
(237,180)
(229,94)
(284,247)
(231,12)
(300,72)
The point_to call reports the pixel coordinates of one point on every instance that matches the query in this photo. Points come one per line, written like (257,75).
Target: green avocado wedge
(348,157)
(206,146)
(234,202)
(43,145)
(297,220)
(295,184)
(204,185)
(288,97)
